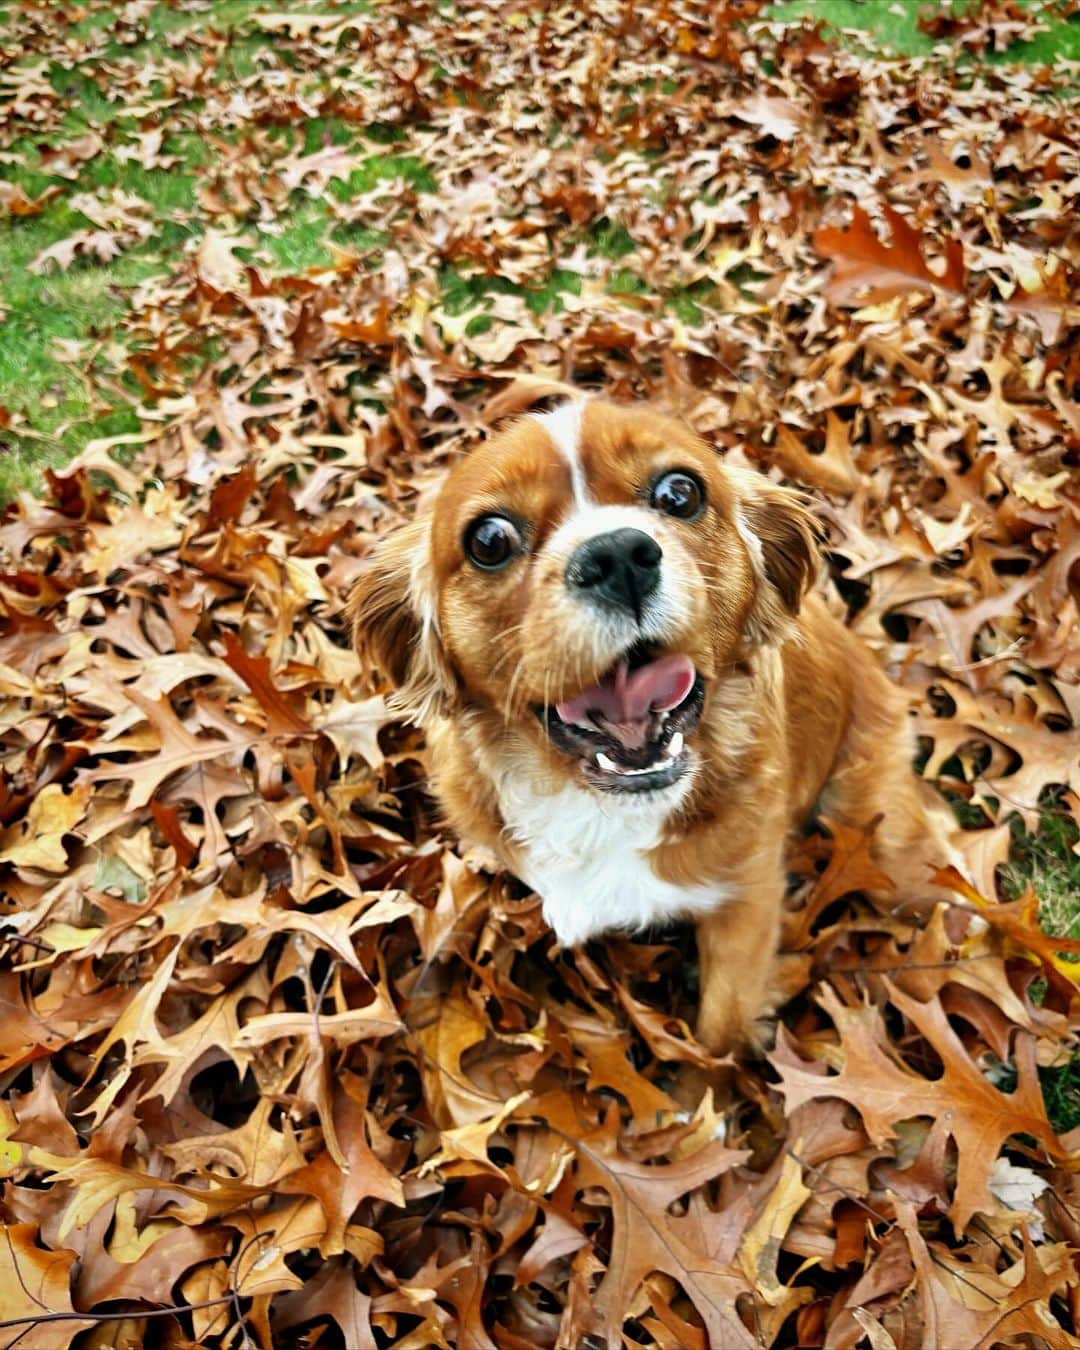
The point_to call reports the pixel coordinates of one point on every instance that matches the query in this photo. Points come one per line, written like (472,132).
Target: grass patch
(46,391)
(302,242)
(888,25)
(891,26)
(610,239)
(49,390)
(1045,860)
(1061,1092)
(462,292)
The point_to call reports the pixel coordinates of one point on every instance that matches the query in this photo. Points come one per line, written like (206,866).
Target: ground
(276,1045)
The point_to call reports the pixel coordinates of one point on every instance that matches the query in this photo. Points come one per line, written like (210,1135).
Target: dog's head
(585,576)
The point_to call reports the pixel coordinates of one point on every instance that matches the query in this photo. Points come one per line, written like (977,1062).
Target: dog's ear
(781,536)
(395,624)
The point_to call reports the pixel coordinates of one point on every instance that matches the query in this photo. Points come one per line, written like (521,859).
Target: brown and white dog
(628,693)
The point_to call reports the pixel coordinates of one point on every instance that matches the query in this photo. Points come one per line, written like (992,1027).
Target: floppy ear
(395,625)
(782,537)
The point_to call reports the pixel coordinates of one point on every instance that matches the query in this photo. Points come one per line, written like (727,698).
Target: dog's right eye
(492,541)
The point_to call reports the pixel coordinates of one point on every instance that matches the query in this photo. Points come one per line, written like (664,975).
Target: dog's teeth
(664,762)
(675,748)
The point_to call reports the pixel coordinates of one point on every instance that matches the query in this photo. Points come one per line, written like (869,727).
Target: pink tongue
(627,696)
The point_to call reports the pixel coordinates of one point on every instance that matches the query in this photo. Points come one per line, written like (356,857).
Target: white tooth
(606,763)
(676,745)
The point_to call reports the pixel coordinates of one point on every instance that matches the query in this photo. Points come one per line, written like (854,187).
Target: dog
(631,692)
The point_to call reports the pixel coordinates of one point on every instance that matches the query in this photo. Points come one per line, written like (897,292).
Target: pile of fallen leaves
(283,1063)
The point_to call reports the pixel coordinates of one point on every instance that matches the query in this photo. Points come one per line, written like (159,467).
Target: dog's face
(586,576)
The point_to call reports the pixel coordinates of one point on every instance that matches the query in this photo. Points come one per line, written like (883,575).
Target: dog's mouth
(629,729)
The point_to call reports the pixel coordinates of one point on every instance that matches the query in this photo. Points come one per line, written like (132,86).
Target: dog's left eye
(678,494)
(492,541)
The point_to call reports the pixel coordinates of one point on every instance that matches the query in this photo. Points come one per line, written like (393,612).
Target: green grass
(892,26)
(885,30)
(1061,1092)
(1047,860)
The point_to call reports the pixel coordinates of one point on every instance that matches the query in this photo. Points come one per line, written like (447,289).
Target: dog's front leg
(737,954)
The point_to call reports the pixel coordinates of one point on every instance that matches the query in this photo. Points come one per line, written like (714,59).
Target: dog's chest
(590,865)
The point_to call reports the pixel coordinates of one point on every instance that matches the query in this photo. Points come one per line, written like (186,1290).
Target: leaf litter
(283,1063)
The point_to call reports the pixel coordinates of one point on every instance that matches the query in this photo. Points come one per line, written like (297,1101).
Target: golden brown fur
(797,713)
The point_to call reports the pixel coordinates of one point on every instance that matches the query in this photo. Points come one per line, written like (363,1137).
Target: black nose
(620,569)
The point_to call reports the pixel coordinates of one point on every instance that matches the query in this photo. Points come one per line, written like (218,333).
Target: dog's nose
(620,569)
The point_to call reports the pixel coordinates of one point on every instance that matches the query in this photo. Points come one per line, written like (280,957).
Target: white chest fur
(587,858)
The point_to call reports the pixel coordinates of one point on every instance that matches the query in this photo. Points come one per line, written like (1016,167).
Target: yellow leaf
(468,1143)
(1041,492)
(887,311)
(52,814)
(11,1153)
(65,937)
(304,577)
(761,1244)
(129,1242)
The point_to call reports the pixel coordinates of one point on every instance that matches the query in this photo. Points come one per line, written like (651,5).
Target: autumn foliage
(285,1064)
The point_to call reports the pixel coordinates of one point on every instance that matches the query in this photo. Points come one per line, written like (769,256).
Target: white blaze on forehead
(563,426)
(589,521)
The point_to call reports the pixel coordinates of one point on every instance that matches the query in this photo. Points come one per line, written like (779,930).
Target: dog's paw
(761,1034)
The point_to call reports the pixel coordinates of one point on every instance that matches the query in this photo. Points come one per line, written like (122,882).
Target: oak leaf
(866,270)
(332,1292)
(340,1189)
(281,718)
(256,1152)
(1019,921)
(763,1239)
(378,1018)
(52,814)
(269,1236)
(647,1238)
(97,1181)
(35,1282)
(978,1116)
(176,748)
(108,1273)
(971,1303)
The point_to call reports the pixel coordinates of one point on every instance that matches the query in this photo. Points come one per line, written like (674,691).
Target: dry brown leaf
(647,1238)
(866,270)
(33,1281)
(978,1115)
